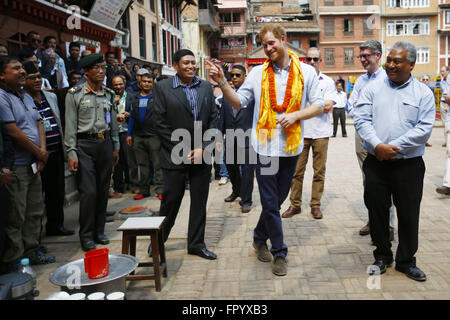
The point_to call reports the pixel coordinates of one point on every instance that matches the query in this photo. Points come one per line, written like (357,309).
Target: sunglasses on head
(309,59)
(237,75)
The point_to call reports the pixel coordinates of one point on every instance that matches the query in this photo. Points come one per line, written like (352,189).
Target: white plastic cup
(96,296)
(61,295)
(78,296)
(116,296)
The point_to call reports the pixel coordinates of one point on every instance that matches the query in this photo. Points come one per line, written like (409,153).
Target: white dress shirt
(342,100)
(320,126)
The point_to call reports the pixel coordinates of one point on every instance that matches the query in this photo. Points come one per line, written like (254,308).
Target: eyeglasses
(309,59)
(365,56)
(38,76)
(237,75)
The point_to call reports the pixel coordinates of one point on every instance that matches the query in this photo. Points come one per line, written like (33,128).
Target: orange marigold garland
(273,89)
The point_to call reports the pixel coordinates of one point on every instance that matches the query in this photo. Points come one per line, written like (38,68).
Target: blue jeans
(273,190)
(223,171)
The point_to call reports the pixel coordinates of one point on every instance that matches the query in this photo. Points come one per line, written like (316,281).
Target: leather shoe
(61,231)
(443,190)
(204,253)
(88,245)
(379,267)
(316,213)
(290,212)
(412,272)
(101,239)
(230,198)
(110,213)
(246,209)
(365,230)
(109,219)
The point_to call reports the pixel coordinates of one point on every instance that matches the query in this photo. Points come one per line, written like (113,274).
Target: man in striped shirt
(53,184)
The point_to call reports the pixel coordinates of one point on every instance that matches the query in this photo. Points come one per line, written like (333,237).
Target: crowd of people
(117,125)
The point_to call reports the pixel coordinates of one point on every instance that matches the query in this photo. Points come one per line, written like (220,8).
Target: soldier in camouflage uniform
(92,141)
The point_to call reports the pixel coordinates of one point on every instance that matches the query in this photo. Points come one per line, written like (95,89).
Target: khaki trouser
(24,211)
(447,165)
(443,111)
(319,149)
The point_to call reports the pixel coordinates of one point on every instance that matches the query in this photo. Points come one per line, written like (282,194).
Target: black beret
(91,59)
(30,67)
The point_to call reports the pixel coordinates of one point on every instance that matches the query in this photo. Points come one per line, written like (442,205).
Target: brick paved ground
(327,258)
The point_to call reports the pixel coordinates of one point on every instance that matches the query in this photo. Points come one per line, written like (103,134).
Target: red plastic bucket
(96,263)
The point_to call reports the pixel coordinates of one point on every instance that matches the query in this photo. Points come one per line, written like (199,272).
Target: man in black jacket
(185,102)
(237,144)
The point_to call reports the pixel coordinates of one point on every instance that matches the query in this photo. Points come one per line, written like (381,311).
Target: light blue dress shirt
(251,89)
(402,116)
(360,84)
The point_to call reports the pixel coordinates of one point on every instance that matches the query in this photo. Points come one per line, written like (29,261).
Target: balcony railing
(233,28)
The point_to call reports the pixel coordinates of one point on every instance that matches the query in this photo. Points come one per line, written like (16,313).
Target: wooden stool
(144,226)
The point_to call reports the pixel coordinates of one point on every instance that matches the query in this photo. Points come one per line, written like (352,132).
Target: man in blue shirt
(146,143)
(394,118)
(25,208)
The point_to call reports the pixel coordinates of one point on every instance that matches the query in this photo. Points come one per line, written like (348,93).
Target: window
(296,43)
(236,17)
(348,57)
(163,9)
(154,42)
(312,43)
(329,27)
(367,2)
(152,5)
(408,3)
(329,3)
(408,27)
(329,56)
(348,27)
(348,2)
(142,49)
(225,17)
(423,55)
(447,16)
(164,35)
(367,27)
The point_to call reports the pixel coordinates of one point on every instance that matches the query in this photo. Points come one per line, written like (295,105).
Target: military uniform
(91,135)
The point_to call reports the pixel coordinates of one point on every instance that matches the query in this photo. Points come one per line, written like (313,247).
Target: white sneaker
(223,181)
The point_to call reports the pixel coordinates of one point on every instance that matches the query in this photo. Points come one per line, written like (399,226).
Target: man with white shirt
(445,87)
(317,132)
(394,117)
(277,131)
(369,55)
(339,110)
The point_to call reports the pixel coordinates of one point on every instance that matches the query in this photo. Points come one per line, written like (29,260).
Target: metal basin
(72,278)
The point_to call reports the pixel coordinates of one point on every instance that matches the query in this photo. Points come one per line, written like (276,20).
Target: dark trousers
(174,187)
(339,114)
(401,181)
(95,161)
(2,219)
(53,186)
(121,175)
(241,174)
(273,190)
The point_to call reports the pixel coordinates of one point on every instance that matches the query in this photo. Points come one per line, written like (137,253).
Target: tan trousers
(444,110)
(319,149)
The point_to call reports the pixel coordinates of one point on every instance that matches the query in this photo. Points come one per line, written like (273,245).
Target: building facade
(345,24)
(415,21)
